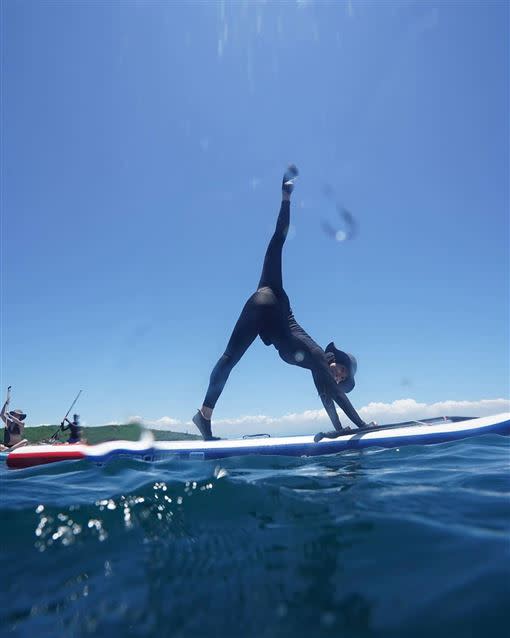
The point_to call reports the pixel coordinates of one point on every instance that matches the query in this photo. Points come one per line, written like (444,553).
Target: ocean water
(409,542)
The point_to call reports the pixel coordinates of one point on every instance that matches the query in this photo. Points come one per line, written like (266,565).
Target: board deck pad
(420,432)
(403,424)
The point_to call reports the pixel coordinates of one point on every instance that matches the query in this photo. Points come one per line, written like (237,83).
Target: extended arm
(7,400)
(344,403)
(329,391)
(327,402)
(2,413)
(329,406)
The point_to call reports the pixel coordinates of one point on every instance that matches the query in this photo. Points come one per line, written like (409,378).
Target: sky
(142,150)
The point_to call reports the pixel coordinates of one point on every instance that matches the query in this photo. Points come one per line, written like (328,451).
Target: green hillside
(99,434)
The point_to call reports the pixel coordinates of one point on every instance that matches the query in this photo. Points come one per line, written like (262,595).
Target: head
(76,418)
(345,368)
(340,373)
(18,414)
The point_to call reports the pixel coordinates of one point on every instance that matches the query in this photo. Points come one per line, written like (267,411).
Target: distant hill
(101,433)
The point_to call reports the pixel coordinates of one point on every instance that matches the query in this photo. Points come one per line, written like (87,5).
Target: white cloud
(312,421)
(164,423)
(408,409)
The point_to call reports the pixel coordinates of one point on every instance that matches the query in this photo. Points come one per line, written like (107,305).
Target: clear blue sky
(142,151)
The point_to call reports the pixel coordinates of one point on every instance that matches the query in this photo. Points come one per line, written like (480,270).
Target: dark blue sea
(409,542)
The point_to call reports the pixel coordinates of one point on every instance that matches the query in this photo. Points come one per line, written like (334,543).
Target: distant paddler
(74,427)
(14,426)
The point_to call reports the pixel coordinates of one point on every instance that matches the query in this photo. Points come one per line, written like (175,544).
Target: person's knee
(226,360)
(223,367)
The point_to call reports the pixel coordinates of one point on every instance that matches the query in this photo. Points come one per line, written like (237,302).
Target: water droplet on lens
(281,610)
(328,619)
(220,472)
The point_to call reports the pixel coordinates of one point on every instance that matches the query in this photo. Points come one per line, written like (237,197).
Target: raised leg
(272,269)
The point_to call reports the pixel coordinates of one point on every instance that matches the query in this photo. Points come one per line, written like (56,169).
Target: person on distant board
(74,427)
(268,314)
(14,426)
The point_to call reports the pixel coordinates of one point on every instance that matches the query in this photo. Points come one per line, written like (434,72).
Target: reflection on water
(350,545)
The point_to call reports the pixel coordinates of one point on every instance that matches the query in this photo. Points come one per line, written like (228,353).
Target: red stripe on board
(30,459)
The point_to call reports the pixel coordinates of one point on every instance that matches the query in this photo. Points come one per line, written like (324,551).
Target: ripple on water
(383,542)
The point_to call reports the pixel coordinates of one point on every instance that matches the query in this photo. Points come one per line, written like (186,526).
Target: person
(268,314)
(74,427)
(14,425)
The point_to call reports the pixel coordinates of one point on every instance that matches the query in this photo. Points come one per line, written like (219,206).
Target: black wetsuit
(268,314)
(11,429)
(75,434)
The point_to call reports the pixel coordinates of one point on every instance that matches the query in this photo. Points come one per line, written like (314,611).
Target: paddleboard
(422,432)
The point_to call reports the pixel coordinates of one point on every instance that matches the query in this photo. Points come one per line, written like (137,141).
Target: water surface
(409,542)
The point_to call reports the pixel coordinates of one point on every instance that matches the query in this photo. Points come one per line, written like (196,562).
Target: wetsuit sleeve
(326,385)
(343,402)
(327,402)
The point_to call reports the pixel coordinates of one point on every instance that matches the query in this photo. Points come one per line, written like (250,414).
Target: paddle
(54,436)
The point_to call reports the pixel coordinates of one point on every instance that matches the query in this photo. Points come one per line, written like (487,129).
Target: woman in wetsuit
(268,314)
(14,425)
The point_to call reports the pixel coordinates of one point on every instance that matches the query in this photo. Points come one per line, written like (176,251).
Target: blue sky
(142,151)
